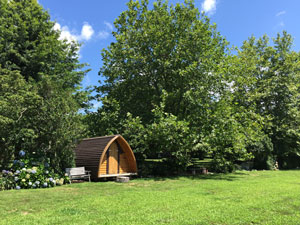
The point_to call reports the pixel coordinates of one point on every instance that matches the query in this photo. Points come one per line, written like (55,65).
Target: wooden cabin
(108,156)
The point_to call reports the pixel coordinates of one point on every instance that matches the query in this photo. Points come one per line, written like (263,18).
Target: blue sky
(91,22)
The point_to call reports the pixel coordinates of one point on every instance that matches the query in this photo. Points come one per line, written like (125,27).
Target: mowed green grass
(257,197)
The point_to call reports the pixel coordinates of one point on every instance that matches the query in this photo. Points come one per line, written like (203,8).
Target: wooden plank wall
(124,165)
(88,153)
(113,159)
(131,164)
(126,162)
(103,166)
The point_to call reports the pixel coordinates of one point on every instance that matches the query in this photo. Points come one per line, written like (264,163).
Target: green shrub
(221,165)
(172,139)
(290,161)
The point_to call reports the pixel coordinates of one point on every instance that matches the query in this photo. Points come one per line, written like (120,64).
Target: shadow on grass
(214,176)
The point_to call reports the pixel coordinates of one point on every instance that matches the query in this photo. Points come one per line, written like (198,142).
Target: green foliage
(273,81)
(170,138)
(137,135)
(166,136)
(165,48)
(233,130)
(30,45)
(18,100)
(263,154)
(39,89)
(106,120)
(45,126)
(173,57)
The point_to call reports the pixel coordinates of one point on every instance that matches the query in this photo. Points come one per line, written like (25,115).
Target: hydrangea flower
(45,184)
(29,183)
(27,176)
(4,171)
(51,179)
(17,172)
(37,182)
(34,185)
(61,181)
(46,171)
(16,178)
(18,187)
(21,153)
(22,164)
(24,169)
(23,180)
(16,161)
(33,171)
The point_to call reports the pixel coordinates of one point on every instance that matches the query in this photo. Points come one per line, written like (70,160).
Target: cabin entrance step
(122,179)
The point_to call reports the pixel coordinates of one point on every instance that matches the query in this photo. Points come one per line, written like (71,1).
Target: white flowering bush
(23,175)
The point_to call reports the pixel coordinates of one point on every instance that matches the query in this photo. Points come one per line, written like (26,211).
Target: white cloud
(281,24)
(65,33)
(103,34)
(281,13)
(87,80)
(96,105)
(87,32)
(109,25)
(56,27)
(209,6)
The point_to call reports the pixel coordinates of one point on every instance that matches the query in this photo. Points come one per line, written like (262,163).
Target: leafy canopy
(40,87)
(171,59)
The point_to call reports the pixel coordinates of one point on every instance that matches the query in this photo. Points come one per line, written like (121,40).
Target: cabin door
(113,165)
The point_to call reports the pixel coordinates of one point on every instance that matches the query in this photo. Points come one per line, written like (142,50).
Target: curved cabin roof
(91,152)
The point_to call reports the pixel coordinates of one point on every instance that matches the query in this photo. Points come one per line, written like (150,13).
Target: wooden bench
(78,173)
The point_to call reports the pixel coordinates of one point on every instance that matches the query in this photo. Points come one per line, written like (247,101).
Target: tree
(41,75)
(173,49)
(16,99)
(166,136)
(272,74)
(30,45)
(172,56)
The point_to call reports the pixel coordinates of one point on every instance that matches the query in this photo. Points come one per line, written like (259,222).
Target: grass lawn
(257,197)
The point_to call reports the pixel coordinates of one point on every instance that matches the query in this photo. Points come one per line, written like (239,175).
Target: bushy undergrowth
(29,173)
